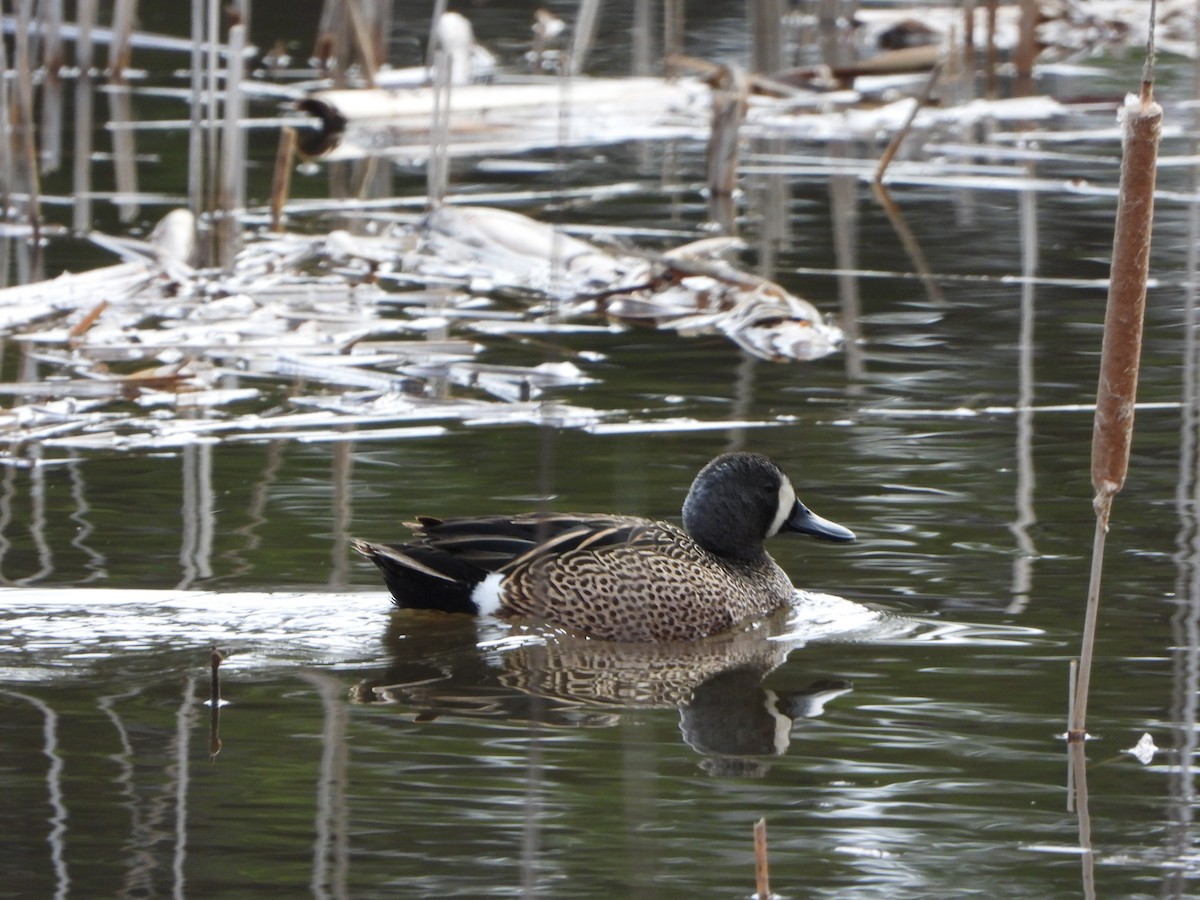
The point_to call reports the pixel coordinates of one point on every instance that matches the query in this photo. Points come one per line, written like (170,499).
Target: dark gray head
(740,499)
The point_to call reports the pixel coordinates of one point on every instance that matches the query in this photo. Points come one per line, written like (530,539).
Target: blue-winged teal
(615,577)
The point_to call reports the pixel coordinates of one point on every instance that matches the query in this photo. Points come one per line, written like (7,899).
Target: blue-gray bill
(804,521)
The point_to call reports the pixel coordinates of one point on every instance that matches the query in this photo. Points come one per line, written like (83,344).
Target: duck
(615,577)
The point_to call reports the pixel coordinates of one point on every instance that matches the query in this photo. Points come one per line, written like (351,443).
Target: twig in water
(214,700)
(80,328)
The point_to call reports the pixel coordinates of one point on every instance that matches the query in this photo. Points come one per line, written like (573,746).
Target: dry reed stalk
(7,146)
(1116,392)
(332,49)
(1026,50)
(379,24)
(674,15)
(584,31)
(212,96)
(968,40)
(762,875)
(51,125)
(437,169)
(366,46)
(282,180)
(767,35)
(24,141)
(81,213)
(195,130)
(121,48)
(124,149)
(643,31)
(232,192)
(992,56)
(439,10)
(730,99)
(238,13)
(843,199)
(895,216)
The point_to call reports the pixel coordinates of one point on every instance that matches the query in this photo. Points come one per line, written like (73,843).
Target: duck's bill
(804,521)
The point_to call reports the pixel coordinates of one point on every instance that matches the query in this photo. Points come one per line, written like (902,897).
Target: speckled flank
(661,587)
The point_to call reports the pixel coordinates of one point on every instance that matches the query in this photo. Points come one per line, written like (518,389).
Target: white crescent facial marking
(486,594)
(787,499)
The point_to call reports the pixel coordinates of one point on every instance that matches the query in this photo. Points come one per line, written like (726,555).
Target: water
(902,737)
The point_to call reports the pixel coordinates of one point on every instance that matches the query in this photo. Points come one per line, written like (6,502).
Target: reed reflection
(198,513)
(331,849)
(97,563)
(239,560)
(37,522)
(1185,623)
(51,750)
(843,201)
(1026,517)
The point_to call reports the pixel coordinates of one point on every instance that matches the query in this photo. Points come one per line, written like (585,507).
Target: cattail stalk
(1116,392)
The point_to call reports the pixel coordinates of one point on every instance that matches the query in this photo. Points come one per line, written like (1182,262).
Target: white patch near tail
(486,594)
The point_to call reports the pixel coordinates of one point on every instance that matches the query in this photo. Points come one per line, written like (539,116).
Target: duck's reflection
(736,722)
(443,666)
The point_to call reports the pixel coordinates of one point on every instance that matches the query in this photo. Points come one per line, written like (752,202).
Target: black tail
(423,577)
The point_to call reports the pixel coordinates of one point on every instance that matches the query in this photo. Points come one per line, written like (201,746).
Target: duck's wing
(504,543)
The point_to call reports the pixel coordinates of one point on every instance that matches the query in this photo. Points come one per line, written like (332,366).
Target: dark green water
(364,754)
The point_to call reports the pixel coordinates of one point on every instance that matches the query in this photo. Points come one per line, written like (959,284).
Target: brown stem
(762,877)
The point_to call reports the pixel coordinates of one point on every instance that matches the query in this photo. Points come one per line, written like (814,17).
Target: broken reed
(214,727)
(1116,392)
(762,875)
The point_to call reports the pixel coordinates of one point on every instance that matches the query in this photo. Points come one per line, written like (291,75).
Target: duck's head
(740,499)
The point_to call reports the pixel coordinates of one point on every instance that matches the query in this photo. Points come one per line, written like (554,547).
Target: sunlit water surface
(899,729)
